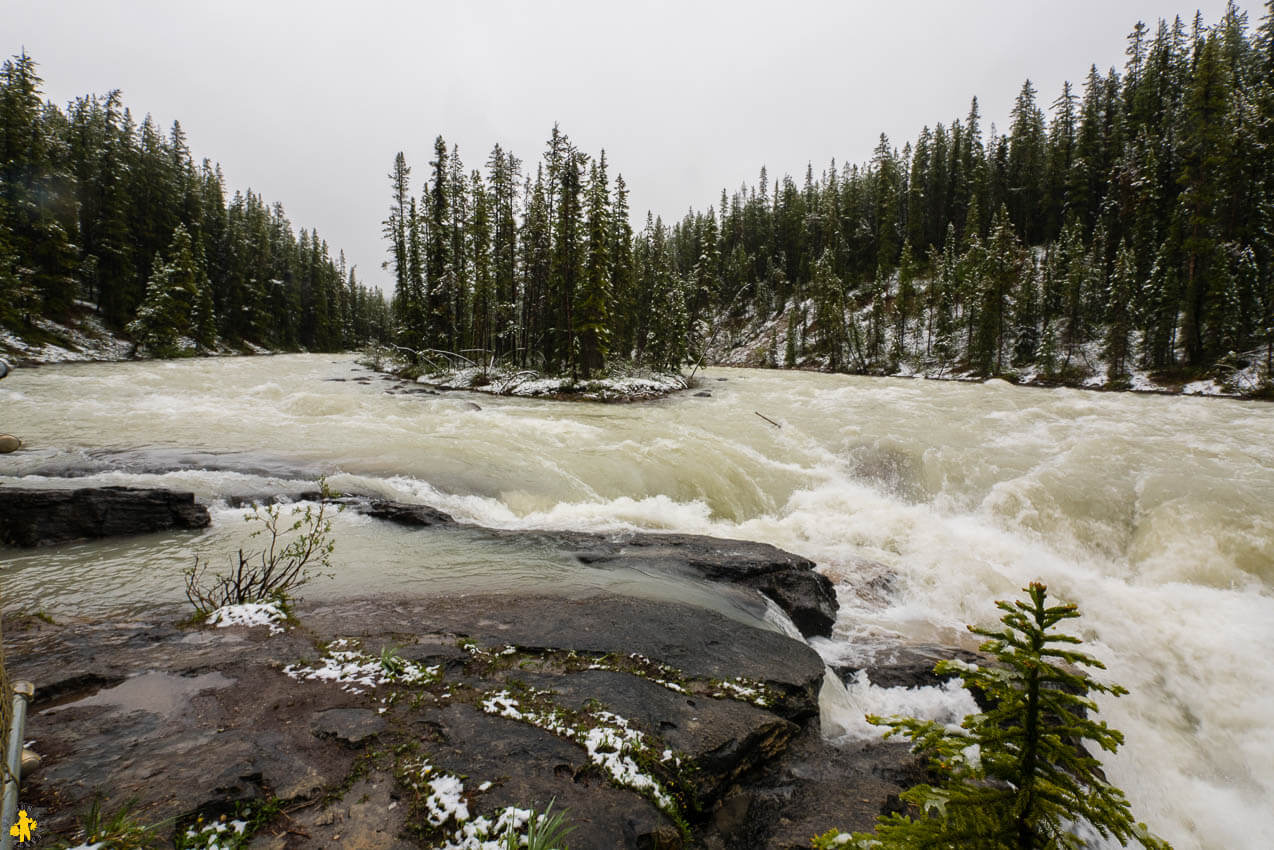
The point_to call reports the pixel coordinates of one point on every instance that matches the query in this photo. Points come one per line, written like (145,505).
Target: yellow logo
(22,829)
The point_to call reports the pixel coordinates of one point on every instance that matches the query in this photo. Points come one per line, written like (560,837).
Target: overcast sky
(307,102)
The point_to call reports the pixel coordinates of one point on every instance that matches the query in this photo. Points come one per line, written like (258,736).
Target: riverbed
(923,500)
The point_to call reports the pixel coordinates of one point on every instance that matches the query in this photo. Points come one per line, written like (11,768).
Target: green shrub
(292,556)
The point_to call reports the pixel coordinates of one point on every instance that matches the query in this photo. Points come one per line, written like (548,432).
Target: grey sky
(307,102)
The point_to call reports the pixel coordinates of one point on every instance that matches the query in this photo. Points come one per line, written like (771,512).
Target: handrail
(22,692)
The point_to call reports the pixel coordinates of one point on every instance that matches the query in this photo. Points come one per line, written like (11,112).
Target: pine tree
(567,262)
(1119,316)
(593,299)
(790,353)
(623,285)
(484,317)
(438,247)
(1033,777)
(1026,318)
(829,299)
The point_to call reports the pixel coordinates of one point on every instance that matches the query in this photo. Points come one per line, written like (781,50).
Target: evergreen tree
(593,300)
(1033,778)
(1026,319)
(790,353)
(567,262)
(438,245)
(1119,313)
(830,313)
(623,284)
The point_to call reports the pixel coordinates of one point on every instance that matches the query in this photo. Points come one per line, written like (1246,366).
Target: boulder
(804,594)
(421,516)
(32,517)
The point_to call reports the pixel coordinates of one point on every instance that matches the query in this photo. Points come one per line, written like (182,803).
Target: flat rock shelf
(653,724)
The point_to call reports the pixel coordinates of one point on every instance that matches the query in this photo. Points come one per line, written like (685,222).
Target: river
(924,501)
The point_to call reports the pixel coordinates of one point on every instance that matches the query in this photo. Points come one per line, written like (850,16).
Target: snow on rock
(447,805)
(354,670)
(609,740)
(270,614)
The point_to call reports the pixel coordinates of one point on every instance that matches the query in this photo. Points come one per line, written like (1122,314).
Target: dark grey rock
(804,594)
(699,642)
(791,581)
(351,726)
(414,515)
(726,738)
(704,394)
(906,666)
(31,517)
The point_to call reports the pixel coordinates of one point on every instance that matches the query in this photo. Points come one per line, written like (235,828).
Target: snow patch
(611,743)
(269,614)
(354,670)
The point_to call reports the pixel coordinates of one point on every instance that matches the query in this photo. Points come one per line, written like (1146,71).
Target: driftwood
(767,419)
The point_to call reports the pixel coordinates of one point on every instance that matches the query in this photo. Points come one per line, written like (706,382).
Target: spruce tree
(1119,314)
(829,313)
(593,300)
(1018,776)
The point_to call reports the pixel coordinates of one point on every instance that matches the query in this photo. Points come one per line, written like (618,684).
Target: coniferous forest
(101,213)
(1124,224)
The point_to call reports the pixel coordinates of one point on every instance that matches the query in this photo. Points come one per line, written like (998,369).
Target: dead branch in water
(767,419)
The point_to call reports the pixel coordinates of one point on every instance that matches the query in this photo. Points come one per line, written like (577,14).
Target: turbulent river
(924,501)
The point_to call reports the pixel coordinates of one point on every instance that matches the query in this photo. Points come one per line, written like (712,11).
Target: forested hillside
(1145,196)
(1122,226)
(102,215)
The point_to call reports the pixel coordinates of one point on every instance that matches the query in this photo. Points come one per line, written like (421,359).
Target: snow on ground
(1208,387)
(533,385)
(760,341)
(269,614)
(89,341)
(354,670)
(218,835)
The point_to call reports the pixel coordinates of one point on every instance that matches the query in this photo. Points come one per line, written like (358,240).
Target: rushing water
(924,501)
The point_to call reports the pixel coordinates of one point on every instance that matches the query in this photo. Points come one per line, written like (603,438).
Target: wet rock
(351,726)
(704,394)
(724,738)
(757,776)
(471,405)
(804,594)
(403,514)
(247,500)
(816,785)
(906,666)
(531,767)
(791,581)
(30,517)
(9,443)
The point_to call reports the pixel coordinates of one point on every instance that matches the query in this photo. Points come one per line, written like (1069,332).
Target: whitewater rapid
(924,501)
